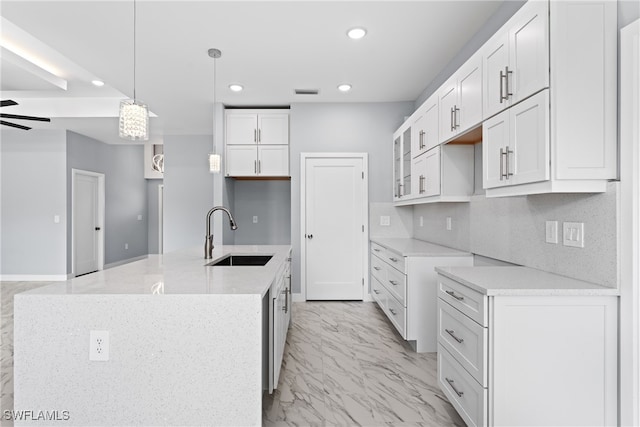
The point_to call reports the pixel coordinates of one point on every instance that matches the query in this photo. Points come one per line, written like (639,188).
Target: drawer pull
(394,259)
(377,250)
(393,311)
(376,268)
(459,393)
(393,282)
(450,332)
(376,291)
(453,294)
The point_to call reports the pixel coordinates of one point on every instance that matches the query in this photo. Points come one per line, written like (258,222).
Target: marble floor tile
(369,376)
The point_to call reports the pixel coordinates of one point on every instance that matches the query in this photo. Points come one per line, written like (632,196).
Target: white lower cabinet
(513,360)
(279,321)
(405,289)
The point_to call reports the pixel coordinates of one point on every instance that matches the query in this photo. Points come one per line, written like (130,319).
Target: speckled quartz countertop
(493,281)
(415,247)
(181,272)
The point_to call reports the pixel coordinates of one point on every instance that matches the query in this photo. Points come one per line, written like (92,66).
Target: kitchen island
(185,342)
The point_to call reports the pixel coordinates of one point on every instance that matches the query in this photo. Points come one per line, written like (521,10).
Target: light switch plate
(551,233)
(449,223)
(385,220)
(573,234)
(255,219)
(421,221)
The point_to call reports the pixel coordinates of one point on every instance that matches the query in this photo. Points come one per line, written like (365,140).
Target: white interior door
(335,211)
(86,224)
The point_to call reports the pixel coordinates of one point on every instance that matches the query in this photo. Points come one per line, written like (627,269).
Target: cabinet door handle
(451,119)
(393,282)
(393,311)
(259,135)
(255,135)
(375,291)
(456,123)
(501,167)
(453,294)
(452,333)
(502,98)
(376,249)
(259,167)
(459,393)
(377,268)
(422,184)
(507,152)
(506,82)
(255,166)
(394,259)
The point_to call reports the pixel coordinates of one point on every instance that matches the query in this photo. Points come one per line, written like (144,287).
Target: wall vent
(306,91)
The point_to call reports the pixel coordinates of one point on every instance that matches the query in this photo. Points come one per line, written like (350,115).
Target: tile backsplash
(400,220)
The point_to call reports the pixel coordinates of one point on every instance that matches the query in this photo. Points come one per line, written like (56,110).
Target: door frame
(365,216)
(629,226)
(101,217)
(160,218)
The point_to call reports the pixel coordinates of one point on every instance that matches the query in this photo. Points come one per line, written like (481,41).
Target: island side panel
(173,359)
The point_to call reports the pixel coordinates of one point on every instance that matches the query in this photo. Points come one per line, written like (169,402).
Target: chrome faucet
(208,242)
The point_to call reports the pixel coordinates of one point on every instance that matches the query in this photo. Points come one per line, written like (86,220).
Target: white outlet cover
(139,217)
(255,219)
(573,234)
(449,223)
(99,346)
(385,220)
(551,232)
(421,221)
(56,219)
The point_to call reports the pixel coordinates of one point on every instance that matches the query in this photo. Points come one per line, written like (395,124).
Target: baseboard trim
(367,298)
(33,277)
(125,261)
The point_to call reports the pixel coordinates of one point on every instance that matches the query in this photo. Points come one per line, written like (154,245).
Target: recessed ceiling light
(357,33)
(98,83)
(236,87)
(344,87)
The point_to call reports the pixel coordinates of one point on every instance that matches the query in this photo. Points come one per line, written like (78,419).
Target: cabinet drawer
(376,249)
(465,340)
(379,294)
(395,260)
(378,268)
(464,393)
(468,301)
(396,284)
(397,314)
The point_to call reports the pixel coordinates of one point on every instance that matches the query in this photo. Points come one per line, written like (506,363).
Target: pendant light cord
(134,50)
(214,106)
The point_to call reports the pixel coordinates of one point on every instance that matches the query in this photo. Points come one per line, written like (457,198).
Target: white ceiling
(270,47)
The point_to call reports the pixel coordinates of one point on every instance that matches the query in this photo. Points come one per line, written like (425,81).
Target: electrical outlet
(126,246)
(551,232)
(56,219)
(139,217)
(385,220)
(573,234)
(255,219)
(421,221)
(99,346)
(448,223)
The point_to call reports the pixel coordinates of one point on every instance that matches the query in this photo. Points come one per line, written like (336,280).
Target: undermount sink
(241,260)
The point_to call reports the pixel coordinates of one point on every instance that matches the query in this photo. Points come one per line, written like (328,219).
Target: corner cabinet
(404,287)
(510,360)
(257,143)
(550,100)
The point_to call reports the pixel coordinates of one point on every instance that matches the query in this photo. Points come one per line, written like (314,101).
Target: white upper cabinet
(402,162)
(257,143)
(516,59)
(461,100)
(558,133)
(424,127)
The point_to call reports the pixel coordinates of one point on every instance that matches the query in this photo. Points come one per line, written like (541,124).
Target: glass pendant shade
(134,120)
(214,163)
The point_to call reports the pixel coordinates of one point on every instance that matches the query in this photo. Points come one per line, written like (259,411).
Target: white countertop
(181,272)
(493,281)
(415,247)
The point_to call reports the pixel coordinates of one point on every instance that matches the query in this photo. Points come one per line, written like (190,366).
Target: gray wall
(32,192)
(270,201)
(497,20)
(188,190)
(153,215)
(125,194)
(343,128)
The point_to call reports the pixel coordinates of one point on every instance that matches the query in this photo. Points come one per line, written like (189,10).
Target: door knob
(309,236)
(97,228)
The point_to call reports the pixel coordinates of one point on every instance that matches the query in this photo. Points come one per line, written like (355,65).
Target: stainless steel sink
(241,260)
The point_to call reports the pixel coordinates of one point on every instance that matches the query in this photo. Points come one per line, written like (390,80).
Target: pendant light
(214,159)
(134,114)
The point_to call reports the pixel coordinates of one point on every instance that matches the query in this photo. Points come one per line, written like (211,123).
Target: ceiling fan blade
(14,125)
(7,103)
(16,116)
